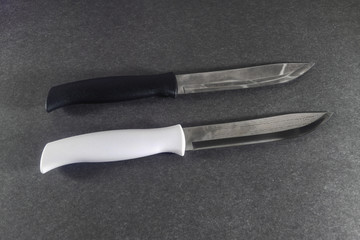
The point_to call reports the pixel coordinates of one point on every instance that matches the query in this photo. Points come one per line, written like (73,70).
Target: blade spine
(262,65)
(258,118)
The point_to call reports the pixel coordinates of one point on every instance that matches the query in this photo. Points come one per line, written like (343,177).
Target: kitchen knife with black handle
(121,88)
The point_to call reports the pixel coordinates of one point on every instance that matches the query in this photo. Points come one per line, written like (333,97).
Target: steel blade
(253,131)
(240,78)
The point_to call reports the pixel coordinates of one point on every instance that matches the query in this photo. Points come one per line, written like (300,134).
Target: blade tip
(307,66)
(326,115)
(310,64)
(299,69)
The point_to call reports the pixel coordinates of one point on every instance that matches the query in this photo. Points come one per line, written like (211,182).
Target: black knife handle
(111,89)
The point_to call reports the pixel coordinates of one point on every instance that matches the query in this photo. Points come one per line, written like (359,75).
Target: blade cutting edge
(253,131)
(250,77)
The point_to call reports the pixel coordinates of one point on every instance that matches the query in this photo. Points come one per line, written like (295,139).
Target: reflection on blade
(253,131)
(241,78)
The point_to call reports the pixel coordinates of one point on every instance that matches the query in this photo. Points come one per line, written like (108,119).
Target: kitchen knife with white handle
(116,145)
(121,88)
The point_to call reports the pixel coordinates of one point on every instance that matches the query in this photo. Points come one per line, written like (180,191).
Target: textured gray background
(304,188)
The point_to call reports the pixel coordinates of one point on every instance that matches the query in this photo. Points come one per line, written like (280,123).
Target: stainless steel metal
(253,131)
(240,78)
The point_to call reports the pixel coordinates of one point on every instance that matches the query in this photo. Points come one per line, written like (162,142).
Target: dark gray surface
(304,188)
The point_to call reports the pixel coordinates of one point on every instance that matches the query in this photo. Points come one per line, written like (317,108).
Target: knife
(120,88)
(116,145)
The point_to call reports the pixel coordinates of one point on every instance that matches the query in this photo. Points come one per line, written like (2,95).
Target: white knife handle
(109,146)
